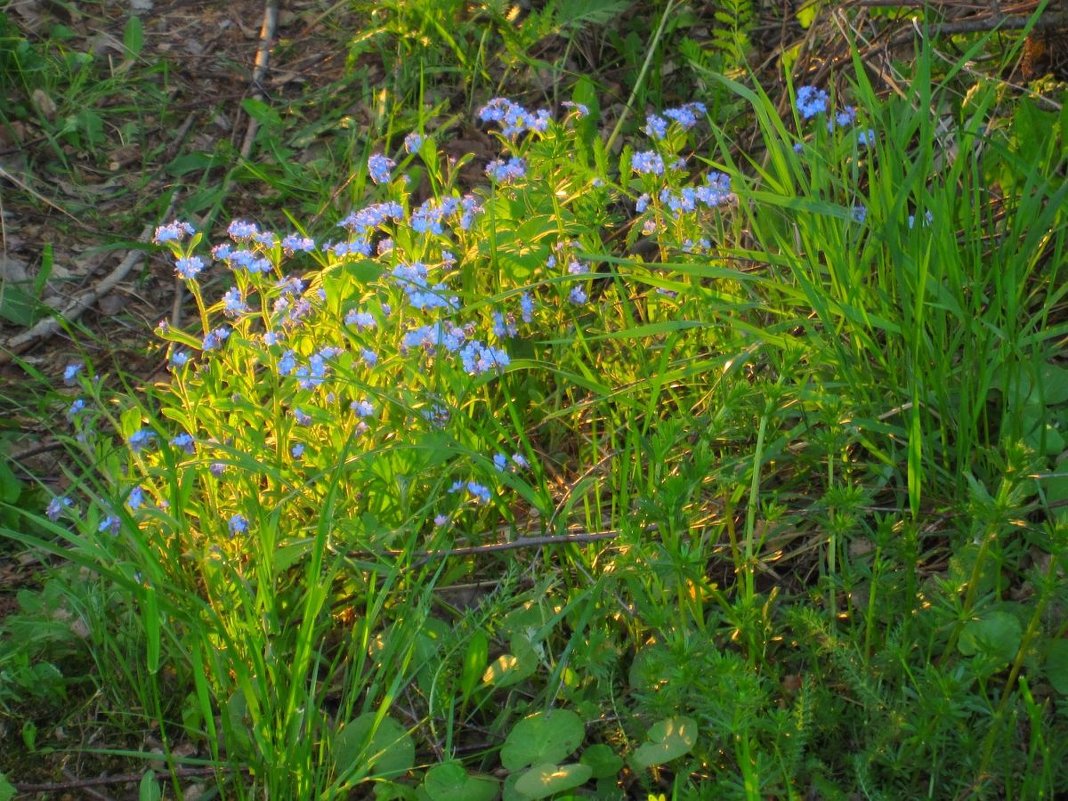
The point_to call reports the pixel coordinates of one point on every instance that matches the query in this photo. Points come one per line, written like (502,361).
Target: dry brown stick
(259,72)
(517,544)
(29,190)
(73,310)
(89,791)
(938,4)
(1000,22)
(51,325)
(102,781)
(36,450)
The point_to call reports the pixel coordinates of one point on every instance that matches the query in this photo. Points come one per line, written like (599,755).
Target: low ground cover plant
(668,472)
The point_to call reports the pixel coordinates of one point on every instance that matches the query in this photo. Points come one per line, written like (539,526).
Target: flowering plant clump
(416,378)
(322,357)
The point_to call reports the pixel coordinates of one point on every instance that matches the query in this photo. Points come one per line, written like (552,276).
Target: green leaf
(1055,487)
(18,306)
(578,13)
(667,740)
(388,749)
(585,93)
(602,760)
(509,669)
(806,14)
(451,782)
(148,790)
(189,162)
(543,780)
(1057,665)
(261,112)
(475,659)
(7,790)
(1054,380)
(10,486)
(152,629)
(238,731)
(29,735)
(133,36)
(129,422)
(40,281)
(997,635)
(544,737)
(92,125)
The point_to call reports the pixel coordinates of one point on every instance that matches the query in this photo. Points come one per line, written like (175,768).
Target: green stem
(989,537)
(751,509)
(1029,634)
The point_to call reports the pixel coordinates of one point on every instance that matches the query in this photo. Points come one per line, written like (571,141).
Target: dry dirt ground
(91,204)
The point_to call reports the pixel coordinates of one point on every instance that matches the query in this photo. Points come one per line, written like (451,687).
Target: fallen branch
(102,781)
(51,325)
(495,547)
(73,310)
(517,544)
(29,190)
(259,72)
(999,22)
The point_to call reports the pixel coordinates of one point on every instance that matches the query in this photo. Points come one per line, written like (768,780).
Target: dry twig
(73,310)
(259,73)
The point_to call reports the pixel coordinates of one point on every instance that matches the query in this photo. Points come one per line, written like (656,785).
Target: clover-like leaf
(451,782)
(603,761)
(1057,665)
(388,749)
(667,740)
(1054,381)
(543,780)
(996,634)
(544,737)
(512,668)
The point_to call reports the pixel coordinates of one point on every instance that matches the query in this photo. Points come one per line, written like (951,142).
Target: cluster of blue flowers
(514,119)
(647,162)
(812,102)
(175,231)
(480,492)
(71,373)
(503,172)
(663,176)
(379,168)
(686,117)
(414,280)
(277,316)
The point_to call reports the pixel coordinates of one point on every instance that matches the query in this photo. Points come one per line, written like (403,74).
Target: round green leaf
(667,740)
(451,782)
(545,780)
(1057,665)
(996,634)
(1054,380)
(602,760)
(388,750)
(512,668)
(544,737)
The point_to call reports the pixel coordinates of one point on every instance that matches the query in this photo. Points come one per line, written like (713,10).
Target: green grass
(800,464)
